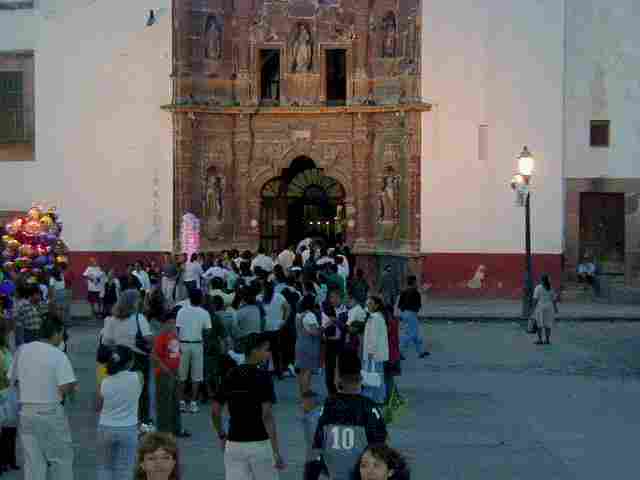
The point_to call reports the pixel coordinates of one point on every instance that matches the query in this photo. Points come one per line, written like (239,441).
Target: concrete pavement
(487,404)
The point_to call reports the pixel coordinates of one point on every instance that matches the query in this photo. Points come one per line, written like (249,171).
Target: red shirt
(167,349)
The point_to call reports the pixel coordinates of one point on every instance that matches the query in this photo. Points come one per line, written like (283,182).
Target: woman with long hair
(545,307)
(375,347)
(158,458)
(122,329)
(118,399)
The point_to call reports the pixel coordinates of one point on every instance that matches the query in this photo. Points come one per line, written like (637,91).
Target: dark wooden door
(602,229)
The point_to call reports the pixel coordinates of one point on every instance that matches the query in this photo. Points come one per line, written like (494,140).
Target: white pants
(249,461)
(46,439)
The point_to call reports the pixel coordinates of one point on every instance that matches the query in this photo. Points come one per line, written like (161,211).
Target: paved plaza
(488,404)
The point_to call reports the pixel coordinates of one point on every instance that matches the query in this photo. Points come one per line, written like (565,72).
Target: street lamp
(520,183)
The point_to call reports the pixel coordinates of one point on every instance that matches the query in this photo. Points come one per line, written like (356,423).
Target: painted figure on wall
(389,198)
(302,50)
(389,36)
(215,197)
(213,38)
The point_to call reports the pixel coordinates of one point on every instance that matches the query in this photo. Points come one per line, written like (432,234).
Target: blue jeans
(412,331)
(117,447)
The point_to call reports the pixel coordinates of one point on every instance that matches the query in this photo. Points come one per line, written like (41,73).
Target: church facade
(299,119)
(391,125)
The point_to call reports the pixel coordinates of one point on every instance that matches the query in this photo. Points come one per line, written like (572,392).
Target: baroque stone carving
(213,38)
(389,198)
(301,50)
(389,28)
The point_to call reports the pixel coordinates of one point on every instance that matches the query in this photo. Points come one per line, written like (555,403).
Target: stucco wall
(103,146)
(497,63)
(603,83)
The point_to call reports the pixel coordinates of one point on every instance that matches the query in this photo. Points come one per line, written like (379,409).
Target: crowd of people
(221,329)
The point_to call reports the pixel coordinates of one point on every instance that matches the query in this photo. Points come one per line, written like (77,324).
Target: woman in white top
(277,311)
(375,347)
(121,329)
(118,398)
(545,308)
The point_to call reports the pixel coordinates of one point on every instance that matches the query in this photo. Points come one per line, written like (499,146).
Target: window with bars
(15,4)
(13,121)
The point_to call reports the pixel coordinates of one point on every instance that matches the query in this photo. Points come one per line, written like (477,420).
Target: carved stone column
(361,160)
(242,140)
(413,141)
(184,174)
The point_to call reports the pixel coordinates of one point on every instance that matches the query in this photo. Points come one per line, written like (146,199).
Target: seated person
(586,271)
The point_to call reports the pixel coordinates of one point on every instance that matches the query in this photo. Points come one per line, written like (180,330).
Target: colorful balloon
(26,250)
(32,227)
(40,261)
(62,259)
(34,213)
(13,244)
(7,238)
(45,222)
(9,266)
(12,228)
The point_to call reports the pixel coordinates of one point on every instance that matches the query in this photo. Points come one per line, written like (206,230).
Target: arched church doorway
(302,202)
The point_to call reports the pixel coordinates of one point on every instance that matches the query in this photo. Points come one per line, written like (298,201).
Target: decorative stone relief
(301,50)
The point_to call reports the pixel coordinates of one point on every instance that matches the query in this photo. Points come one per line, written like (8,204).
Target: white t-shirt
(214,272)
(192,321)
(310,321)
(286,258)
(192,272)
(123,332)
(121,393)
(41,368)
(357,314)
(263,261)
(274,320)
(94,278)
(56,284)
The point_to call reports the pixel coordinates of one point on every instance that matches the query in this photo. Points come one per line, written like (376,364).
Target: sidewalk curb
(519,319)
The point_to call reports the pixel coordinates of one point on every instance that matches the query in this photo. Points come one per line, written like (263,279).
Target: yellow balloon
(15,244)
(46,221)
(7,238)
(61,259)
(34,213)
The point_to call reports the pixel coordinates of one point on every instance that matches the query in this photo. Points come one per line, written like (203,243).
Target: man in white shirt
(193,323)
(216,271)
(94,276)
(192,273)
(263,261)
(44,376)
(143,276)
(286,258)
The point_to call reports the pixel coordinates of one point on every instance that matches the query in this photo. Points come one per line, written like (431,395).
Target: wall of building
(103,145)
(494,67)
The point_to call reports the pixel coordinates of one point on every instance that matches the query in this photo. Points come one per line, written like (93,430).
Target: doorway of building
(602,230)
(269,76)
(303,202)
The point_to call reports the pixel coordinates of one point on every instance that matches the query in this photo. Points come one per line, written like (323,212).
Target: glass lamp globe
(525,163)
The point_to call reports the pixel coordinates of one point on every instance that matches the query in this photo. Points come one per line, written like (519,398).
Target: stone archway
(301,202)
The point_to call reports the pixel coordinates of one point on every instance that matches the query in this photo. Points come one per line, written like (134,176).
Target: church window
(269,76)
(336,77)
(599,134)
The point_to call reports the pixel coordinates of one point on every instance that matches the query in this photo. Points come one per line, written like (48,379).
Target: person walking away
(308,343)
(277,311)
(193,323)
(215,346)
(27,314)
(128,327)
(286,258)
(166,352)
(94,274)
(118,400)
(289,331)
(409,304)
(262,260)
(44,377)
(334,321)
(249,317)
(192,273)
(251,447)
(375,348)
(349,423)
(143,277)
(389,286)
(157,458)
(111,293)
(545,307)
(9,431)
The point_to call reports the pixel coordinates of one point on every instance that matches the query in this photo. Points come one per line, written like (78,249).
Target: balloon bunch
(32,243)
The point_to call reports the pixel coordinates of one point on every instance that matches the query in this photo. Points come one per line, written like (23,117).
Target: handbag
(104,351)
(371,378)
(141,342)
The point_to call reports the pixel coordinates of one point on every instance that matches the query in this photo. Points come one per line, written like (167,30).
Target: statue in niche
(213,38)
(389,198)
(302,50)
(215,198)
(389,36)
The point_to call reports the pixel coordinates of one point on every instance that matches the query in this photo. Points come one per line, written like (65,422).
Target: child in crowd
(167,356)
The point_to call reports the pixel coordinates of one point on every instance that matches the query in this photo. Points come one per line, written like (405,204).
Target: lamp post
(520,183)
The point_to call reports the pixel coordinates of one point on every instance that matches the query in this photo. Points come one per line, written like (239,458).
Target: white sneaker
(183,406)
(193,408)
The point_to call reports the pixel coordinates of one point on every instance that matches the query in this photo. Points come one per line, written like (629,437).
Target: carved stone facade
(230,144)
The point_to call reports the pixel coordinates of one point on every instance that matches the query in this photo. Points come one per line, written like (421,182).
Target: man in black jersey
(349,422)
